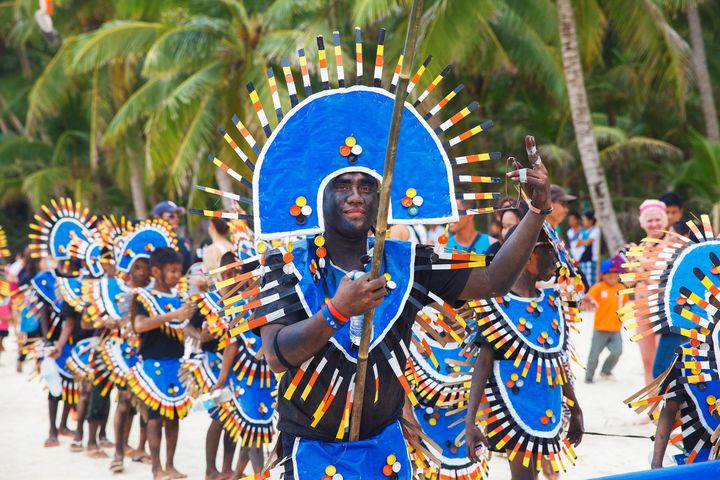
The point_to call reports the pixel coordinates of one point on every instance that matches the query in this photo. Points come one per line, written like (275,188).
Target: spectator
(464,236)
(604,298)
(653,220)
(573,234)
(673,206)
(509,217)
(560,201)
(589,242)
(219,232)
(170,212)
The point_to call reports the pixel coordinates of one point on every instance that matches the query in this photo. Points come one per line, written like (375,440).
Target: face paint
(350,204)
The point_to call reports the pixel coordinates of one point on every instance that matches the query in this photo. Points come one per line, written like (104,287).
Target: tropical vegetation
(119,106)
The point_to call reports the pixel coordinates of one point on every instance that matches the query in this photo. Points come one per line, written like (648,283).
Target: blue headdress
(139,240)
(64,232)
(334,131)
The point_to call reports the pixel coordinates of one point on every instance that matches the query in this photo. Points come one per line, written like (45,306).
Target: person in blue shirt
(464,236)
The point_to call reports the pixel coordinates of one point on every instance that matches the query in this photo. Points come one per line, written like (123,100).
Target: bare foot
(160,475)
(95,452)
(51,442)
(105,443)
(66,432)
(172,472)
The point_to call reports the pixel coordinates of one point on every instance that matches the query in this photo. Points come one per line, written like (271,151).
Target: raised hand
(534,180)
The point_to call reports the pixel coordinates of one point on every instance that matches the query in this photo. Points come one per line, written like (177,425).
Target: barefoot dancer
(520,372)
(57,227)
(319,175)
(161,316)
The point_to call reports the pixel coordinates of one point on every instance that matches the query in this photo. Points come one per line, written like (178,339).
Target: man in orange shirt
(604,298)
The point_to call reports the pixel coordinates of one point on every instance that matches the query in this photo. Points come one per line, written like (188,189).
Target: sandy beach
(24,425)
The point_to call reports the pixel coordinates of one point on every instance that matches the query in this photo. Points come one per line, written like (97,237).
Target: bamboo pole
(381,224)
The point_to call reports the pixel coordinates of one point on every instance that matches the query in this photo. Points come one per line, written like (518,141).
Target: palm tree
(582,122)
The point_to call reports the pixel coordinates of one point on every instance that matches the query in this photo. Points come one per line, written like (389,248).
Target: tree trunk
(225,184)
(136,187)
(699,61)
(582,123)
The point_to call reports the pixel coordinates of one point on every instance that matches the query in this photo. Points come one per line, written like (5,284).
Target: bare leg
(212,440)
(519,472)
(143,434)
(154,437)
(172,431)
(257,459)
(64,430)
(648,346)
(243,459)
(120,426)
(228,453)
(81,409)
(52,439)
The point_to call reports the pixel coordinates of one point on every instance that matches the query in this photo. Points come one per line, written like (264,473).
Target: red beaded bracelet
(334,312)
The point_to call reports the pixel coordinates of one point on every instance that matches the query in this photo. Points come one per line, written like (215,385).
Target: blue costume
(680,298)
(437,370)
(524,392)
(327,134)
(155,380)
(249,416)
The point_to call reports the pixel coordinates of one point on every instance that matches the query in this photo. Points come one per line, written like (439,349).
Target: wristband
(330,319)
(334,312)
(539,211)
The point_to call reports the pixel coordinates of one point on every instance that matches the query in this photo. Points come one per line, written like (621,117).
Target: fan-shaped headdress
(333,131)
(64,231)
(139,240)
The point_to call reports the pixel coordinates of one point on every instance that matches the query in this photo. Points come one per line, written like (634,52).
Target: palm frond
(117,39)
(184,47)
(142,103)
(631,148)
(52,89)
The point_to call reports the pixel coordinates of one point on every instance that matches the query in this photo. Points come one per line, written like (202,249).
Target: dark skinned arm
(576,428)
(143,323)
(498,278)
(44,314)
(481,372)
(662,434)
(302,340)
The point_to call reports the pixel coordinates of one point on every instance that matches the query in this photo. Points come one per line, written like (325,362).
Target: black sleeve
(197,319)
(140,310)
(446,284)
(273,259)
(69,312)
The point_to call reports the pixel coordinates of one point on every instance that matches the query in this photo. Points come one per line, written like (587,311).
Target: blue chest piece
(398,262)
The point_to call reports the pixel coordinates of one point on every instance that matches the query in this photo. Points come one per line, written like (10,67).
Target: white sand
(24,425)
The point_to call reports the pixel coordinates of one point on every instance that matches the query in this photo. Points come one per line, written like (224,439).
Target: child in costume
(605,298)
(58,227)
(160,318)
(109,300)
(679,295)
(249,416)
(327,191)
(204,370)
(520,372)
